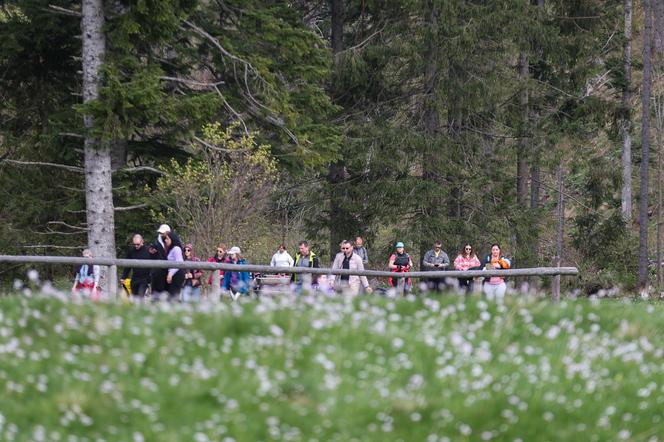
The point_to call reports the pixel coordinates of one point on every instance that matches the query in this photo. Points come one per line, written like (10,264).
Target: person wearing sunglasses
(436,260)
(467,260)
(140,277)
(219,256)
(347,259)
(191,292)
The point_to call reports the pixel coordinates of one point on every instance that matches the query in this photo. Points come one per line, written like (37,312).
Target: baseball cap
(234,251)
(164,228)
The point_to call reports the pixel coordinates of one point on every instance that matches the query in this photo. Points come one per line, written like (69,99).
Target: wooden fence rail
(202,265)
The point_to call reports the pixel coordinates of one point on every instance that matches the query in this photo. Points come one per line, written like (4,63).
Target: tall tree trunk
(645,149)
(522,164)
(625,126)
(338,220)
(431,121)
(658,129)
(98,185)
(337,33)
(560,230)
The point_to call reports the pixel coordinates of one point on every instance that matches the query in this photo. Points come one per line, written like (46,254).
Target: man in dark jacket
(140,277)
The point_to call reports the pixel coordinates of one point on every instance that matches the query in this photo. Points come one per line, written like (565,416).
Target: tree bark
(431,119)
(337,33)
(625,126)
(645,149)
(560,230)
(658,129)
(522,164)
(97,163)
(338,219)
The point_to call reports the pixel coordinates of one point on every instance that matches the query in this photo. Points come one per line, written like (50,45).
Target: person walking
(466,260)
(305,258)
(158,251)
(140,277)
(494,286)
(175,276)
(191,292)
(435,260)
(400,262)
(237,283)
(282,258)
(87,277)
(219,257)
(349,260)
(360,250)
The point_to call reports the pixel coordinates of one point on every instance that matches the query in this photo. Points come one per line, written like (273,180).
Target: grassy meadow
(437,368)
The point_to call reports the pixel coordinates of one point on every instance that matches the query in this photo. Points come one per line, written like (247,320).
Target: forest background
(255,122)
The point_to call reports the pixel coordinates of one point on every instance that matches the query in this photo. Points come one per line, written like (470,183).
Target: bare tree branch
(192,82)
(141,169)
(50,246)
(44,164)
(62,223)
(125,208)
(64,11)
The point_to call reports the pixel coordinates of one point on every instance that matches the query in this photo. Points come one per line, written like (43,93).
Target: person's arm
(75,280)
(391,264)
(457,263)
(363,279)
(126,270)
(337,264)
(96,271)
(446,260)
(291,261)
(365,256)
(273,261)
(475,263)
(426,262)
(316,263)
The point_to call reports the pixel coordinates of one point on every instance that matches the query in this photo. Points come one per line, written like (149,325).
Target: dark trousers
(158,281)
(175,287)
(139,289)
(466,284)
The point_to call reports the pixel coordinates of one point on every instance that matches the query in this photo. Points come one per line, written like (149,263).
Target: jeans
(191,294)
(495,291)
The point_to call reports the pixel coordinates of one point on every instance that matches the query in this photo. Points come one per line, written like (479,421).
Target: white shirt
(282,259)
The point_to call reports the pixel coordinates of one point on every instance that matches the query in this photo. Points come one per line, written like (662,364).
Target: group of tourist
(185,284)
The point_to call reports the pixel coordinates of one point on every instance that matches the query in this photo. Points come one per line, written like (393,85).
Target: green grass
(420,369)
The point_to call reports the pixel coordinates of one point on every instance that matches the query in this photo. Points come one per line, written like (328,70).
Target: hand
(169,278)
(399,268)
(496,266)
(368,290)
(122,281)
(187,276)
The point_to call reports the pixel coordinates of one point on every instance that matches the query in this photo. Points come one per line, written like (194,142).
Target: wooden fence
(113,264)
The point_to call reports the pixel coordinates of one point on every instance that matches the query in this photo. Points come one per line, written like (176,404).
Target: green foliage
(224,195)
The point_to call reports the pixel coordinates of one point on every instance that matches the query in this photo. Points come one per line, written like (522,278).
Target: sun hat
(164,228)
(399,244)
(235,250)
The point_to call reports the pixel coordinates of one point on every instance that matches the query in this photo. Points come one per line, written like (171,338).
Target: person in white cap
(159,251)
(236,282)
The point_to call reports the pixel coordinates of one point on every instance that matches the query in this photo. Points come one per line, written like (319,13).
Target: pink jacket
(461,263)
